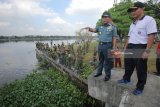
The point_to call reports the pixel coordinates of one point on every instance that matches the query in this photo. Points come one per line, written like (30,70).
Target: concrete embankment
(120,95)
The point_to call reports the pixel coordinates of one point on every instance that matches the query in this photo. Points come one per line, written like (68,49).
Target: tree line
(38,38)
(122,19)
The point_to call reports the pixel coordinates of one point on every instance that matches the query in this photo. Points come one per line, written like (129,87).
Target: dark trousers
(133,59)
(158,64)
(105,60)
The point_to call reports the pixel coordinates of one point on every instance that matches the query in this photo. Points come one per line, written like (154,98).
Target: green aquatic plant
(47,89)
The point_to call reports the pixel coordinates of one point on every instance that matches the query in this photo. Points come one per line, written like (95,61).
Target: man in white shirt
(139,42)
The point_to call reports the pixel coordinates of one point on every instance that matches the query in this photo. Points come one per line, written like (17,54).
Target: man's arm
(114,42)
(114,38)
(150,41)
(126,44)
(149,45)
(91,29)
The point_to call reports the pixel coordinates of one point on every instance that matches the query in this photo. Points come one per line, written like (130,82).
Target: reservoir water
(17,59)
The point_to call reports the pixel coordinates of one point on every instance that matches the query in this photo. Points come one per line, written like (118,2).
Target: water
(18,59)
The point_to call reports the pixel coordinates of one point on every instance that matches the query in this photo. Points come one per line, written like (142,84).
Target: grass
(151,59)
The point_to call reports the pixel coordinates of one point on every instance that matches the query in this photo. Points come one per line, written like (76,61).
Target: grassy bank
(151,59)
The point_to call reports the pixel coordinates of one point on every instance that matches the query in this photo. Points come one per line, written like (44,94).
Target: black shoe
(106,78)
(137,92)
(154,72)
(96,75)
(157,73)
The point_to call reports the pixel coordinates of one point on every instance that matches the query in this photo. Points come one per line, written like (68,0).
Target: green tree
(120,17)
(152,8)
(99,22)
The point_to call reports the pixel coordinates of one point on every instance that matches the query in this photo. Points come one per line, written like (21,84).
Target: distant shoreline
(34,38)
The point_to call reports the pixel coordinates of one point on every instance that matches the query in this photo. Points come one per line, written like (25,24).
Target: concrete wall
(120,95)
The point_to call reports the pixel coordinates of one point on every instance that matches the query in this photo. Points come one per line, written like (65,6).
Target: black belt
(102,43)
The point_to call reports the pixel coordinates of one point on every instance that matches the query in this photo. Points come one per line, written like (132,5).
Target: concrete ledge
(120,95)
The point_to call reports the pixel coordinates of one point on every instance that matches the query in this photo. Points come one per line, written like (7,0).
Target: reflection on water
(17,59)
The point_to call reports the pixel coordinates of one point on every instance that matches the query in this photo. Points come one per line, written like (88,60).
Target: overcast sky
(49,17)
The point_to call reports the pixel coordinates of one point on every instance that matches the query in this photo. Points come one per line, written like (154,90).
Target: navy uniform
(106,33)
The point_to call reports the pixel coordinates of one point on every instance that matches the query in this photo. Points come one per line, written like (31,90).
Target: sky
(49,17)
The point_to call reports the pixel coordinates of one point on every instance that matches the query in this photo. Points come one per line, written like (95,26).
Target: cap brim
(105,15)
(130,9)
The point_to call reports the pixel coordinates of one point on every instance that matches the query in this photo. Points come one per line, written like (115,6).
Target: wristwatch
(147,51)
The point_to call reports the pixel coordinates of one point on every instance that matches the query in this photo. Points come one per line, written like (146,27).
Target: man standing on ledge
(139,42)
(107,34)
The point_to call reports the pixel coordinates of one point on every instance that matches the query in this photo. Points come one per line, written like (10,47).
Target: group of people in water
(66,55)
(72,56)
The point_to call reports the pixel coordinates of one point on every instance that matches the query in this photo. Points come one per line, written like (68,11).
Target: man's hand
(90,29)
(145,55)
(112,52)
(87,28)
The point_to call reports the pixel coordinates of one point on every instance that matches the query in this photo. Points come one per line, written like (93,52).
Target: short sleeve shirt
(106,32)
(138,33)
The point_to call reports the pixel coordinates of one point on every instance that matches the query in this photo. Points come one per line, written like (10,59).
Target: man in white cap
(139,42)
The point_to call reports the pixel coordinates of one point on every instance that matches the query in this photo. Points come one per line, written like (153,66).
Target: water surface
(17,59)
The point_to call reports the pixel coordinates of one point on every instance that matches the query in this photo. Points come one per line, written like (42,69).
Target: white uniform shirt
(138,33)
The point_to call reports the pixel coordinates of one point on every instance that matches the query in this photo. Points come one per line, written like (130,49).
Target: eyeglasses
(134,9)
(104,16)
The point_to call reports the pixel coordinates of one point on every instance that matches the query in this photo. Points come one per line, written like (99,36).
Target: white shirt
(138,33)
